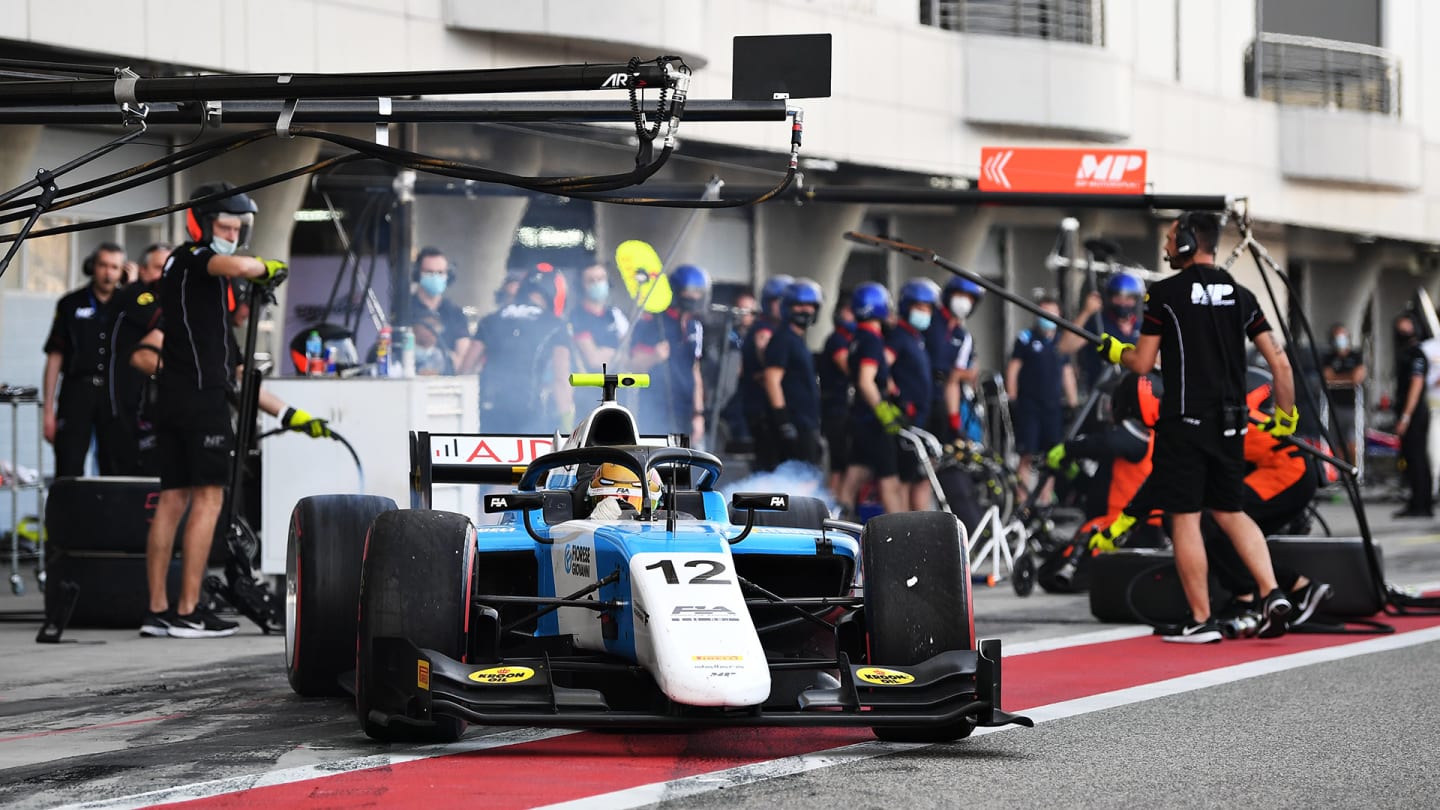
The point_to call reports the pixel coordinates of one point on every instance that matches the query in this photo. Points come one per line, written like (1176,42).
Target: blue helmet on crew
(801,303)
(690,288)
(918,299)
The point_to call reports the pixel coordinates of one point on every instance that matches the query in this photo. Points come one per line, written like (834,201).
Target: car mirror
(764,501)
(514,502)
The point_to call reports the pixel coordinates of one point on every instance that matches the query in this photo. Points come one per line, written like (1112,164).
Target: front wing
(418,684)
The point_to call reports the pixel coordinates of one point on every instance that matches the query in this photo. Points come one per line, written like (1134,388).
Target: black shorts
(872,447)
(1345,418)
(1197,467)
(194,438)
(1038,429)
(907,464)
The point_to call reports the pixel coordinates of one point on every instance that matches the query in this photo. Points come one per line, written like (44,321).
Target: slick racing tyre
(917,600)
(322,588)
(804,513)
(415,586)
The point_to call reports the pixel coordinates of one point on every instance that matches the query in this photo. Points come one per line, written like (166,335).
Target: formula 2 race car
(669,616)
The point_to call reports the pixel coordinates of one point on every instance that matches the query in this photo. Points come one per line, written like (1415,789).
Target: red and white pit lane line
(567,769)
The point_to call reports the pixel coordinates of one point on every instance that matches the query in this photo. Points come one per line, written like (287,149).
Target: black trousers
(1414,448)
(82,411)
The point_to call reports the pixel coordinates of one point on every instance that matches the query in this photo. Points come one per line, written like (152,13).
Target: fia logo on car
(701,613)
(498,502)
(777,502)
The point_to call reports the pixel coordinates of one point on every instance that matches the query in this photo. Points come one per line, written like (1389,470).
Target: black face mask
(1123,311)
(1404,338)
(802,319)
(691,305)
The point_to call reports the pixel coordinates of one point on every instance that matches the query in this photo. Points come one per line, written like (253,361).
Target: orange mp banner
(1064,171)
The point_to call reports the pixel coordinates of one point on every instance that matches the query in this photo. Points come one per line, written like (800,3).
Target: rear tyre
(415,585)
(322,587)
(917,600)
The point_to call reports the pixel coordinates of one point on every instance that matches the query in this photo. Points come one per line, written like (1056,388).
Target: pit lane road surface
(1124,720)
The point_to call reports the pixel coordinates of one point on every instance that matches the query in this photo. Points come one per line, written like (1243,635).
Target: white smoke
(795,478)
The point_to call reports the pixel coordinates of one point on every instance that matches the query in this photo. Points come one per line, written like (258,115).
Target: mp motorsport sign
(1063,171)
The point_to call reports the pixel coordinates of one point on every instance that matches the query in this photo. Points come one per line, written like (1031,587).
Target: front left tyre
(322,587)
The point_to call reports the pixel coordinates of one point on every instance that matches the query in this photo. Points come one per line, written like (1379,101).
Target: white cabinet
(376,417)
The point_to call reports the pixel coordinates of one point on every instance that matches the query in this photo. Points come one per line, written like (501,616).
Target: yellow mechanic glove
(296,419)
(1103,541)
(1055,457)
(890,417)
(1111,348)
(275,272)
(1282,423)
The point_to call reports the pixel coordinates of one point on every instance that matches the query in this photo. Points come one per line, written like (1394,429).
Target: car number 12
(703,578)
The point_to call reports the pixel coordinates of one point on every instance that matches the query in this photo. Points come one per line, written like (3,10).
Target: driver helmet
(617,481)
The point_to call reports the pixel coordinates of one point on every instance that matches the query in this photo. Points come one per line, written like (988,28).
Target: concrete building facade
(1332,133)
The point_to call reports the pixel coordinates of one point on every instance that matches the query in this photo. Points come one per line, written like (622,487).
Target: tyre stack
(96,531)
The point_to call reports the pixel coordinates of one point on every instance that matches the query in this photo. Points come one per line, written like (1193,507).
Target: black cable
(170,209)
(453,168)
(1391,600)
(665,203)
(210,149)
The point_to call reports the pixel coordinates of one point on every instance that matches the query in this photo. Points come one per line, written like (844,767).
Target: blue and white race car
(686,612)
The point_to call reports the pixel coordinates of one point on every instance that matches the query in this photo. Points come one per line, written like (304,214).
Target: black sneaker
(201,624)
(1193,632)
(1306,600)
(157,625)
(1273,614)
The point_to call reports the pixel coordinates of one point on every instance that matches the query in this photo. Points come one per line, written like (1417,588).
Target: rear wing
(476,458)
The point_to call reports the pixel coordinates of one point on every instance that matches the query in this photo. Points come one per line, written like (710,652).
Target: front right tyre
(415,585)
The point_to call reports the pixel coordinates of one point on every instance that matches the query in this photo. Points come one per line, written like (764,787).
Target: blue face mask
(1045,324)
(919,319)
(434,285)
(224,247)
(599,291)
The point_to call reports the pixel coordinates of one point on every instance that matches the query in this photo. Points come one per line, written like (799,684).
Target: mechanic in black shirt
(1197,321)
(136,313)
(833,367)
(874,419)
(1119,317)
(752,365)
(195,437)
(76,356)
(1344,371)
(522,353)
(1412,414)
(597,325)
(670,345)
(914,385)
(952,359)
(432,274)
(1036,378)
(790,384)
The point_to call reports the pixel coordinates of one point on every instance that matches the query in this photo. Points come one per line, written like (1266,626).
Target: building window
(1064,20)
(1303,71)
